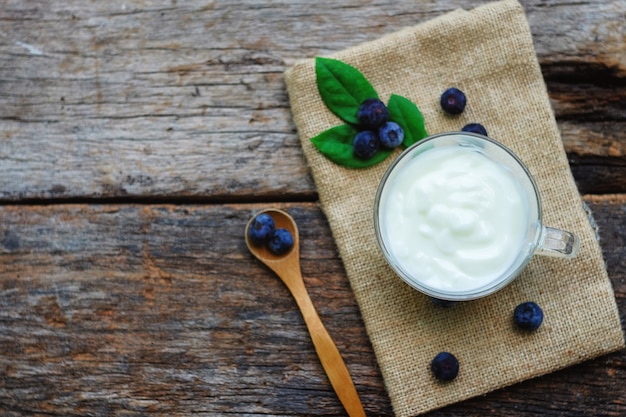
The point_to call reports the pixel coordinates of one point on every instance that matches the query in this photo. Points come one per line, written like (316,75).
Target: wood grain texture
(134,310)
(286,265)
(186,100)
(127,310)
(136,140)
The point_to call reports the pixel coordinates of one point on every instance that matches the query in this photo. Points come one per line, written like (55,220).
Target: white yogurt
(454,219)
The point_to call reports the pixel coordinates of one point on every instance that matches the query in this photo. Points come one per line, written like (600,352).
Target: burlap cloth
(488,53)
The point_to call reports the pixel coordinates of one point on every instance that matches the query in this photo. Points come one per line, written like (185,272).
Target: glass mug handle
(557,243)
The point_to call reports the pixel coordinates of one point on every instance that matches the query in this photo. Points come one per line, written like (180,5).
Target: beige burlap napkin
(487,53)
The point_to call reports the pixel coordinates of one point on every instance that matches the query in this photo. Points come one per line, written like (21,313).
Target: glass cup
(458,216)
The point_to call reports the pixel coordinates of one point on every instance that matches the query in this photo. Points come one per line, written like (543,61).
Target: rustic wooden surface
(137,138)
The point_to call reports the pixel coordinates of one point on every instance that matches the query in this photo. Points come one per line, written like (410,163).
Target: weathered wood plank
(129,309)
(187,100)
(132,309)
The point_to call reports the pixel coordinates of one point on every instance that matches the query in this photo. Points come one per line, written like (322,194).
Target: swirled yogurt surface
(454,219)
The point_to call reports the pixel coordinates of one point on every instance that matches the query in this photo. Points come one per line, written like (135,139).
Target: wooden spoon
(287,267)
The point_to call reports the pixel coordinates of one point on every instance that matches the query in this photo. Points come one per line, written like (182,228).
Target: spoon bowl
(261,252)
(287,267)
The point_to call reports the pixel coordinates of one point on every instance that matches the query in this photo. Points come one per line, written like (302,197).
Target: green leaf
(336,144)
(342,87)
(405,113)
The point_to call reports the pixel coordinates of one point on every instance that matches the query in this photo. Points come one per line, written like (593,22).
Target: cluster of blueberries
(527,316)
(263,231)
(377,129)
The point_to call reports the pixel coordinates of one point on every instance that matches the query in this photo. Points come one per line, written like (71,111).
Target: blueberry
(261,229)
(528,316)
(453,101)
(475,128)
(366,144)
(391,135)
(280,242)
(445,366)
(372,113)
(442,303)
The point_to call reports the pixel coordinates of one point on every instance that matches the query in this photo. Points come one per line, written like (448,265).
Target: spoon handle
(328,353)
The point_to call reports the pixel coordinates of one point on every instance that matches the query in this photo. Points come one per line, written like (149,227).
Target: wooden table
(137,138)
